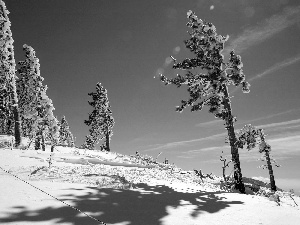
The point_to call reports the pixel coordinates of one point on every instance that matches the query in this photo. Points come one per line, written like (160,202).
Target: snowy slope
(119,189)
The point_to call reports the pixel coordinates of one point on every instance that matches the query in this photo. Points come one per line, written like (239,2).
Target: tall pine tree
(65,136)
(211,88)
(35,106)
(9,119)
(100,120)
(29,88)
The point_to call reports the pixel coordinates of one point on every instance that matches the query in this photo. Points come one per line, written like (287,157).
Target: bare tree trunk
(272,179)
(224,176)
(43,141)
(267,155)
(107,141)
(17,119)
(37,144)
(238,177)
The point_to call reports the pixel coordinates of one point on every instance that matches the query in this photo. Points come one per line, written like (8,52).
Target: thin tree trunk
(17,119)
(267,155)
(224,176)
(43,141)
(37,144)
(272,179)
(107,141)
(238,177)
(9,126)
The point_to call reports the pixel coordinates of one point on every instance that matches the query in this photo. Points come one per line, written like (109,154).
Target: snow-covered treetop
(65,135)
(101,107)
(31,91)
(7,63)
(250,137)
(100,100)
(207,46)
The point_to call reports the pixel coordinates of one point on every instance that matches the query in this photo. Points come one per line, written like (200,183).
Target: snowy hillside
(127,190)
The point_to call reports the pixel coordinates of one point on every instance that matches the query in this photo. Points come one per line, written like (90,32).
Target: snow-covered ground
(85,187)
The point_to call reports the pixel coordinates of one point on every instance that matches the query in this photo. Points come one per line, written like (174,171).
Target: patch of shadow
(19,207)
(32,157)
(147,205)
(91,175)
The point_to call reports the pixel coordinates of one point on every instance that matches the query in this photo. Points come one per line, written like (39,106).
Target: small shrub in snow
(66,138)
(225,164)
(7,141)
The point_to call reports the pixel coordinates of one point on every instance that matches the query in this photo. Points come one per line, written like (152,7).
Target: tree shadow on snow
(143,206)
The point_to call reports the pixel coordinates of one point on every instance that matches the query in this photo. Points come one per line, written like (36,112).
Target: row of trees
(209,87)
(25,108)
(36,110)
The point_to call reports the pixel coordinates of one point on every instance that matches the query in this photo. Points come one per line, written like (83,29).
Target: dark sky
(125,44)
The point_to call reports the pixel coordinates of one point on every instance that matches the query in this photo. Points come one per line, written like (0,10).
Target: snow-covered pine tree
(10,118)
(35,106)
(89,143)
(100,120)
(65,136)
(29,87)
(211,88)
(250,136)
(51,129)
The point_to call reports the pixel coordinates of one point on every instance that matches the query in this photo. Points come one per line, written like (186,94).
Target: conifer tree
(10,118)
(211,88)
(35,106)
(65,136)
(29,88)
(100,120)
(250,136)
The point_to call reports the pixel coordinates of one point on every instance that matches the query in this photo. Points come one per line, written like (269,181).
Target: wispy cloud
(217,148)
(270,116)
(209,124)
(215,123)
(166,146)
(272,69)
(276,67)
(183,143)
(283,142)
(286,145)
(280,124)
(265,30)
